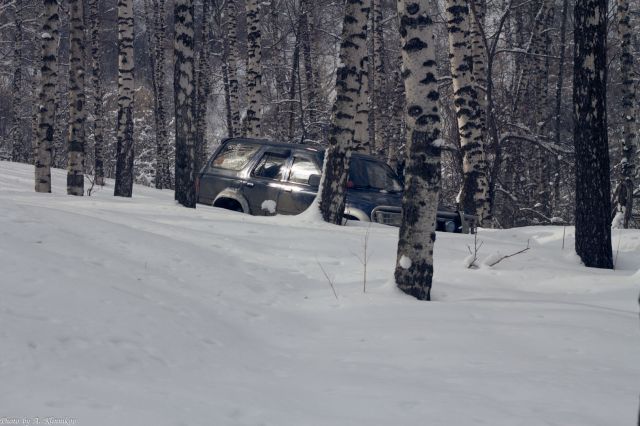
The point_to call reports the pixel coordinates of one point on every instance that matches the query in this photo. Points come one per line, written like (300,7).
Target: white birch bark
(361,141)
(232,67)
(474,195)
(624,191)
(479,63)
(19,151)
(203,87)
(380,121)
(254,70)
(124,125)
(184,93)
(49,78)
(414,264)
(98,92)
(77,113)
(353,48)
(163,163)
(311,84)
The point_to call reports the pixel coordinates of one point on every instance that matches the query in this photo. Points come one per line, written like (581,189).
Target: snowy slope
(140,312)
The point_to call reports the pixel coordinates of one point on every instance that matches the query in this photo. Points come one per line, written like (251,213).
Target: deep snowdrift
(136,311)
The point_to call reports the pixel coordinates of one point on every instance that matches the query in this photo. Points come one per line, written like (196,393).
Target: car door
(297,194)
(265,181)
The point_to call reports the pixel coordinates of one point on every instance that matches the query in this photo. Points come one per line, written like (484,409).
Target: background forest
(528,87)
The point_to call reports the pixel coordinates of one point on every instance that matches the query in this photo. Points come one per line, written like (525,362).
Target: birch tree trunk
(77,113)
(474,196)
(19,151)
(414,265)
(163,163)
(593,203)
(98,92)
(361,141)
(254,70)
(531,67)
(232,67)
(184,92)
(479,65)
(558,100)
(49,78)
(227,87)
(124,125)
(624,191)
(395,132)
(306,9)
(203,88)
(353,48)
(379,80)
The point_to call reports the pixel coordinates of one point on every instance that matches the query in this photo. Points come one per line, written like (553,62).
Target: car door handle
(249,184)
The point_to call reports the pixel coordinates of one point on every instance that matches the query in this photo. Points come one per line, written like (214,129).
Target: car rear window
(235,156)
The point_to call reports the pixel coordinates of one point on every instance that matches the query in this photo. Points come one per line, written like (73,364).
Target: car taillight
(197,185)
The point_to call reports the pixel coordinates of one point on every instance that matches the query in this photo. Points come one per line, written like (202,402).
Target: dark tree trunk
(184,93)
(593,188)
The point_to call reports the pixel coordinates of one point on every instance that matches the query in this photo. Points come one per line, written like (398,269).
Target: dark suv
(264,178)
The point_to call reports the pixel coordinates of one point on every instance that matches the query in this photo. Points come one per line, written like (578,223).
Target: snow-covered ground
(139,312)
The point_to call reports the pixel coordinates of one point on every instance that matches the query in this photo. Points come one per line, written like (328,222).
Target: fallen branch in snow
(328,279)
(509,255)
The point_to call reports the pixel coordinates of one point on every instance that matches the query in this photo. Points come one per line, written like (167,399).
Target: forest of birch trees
(144,90)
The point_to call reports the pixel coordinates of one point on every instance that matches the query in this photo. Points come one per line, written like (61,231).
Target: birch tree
(304,32)
(98,92)
(474,195)
(379,78)
(361,142)
(232,67)
(414,265)
(353,48)
(163,165)
(124,125)
(624,192)
(19,153)
(254,70)
(47,97)
(77,113)
(184,92)
(203,87)
(593,205)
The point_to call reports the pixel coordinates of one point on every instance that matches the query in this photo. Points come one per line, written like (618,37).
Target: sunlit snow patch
(269,205)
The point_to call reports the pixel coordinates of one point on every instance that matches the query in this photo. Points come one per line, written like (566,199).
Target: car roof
(298,146)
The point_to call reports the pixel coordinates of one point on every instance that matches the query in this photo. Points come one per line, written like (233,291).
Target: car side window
(270,166)
(301,169)
(234,156)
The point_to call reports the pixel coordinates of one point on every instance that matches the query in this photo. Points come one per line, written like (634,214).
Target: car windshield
(368,174)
